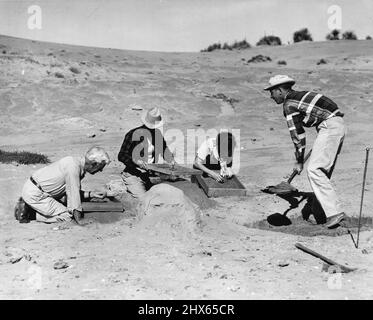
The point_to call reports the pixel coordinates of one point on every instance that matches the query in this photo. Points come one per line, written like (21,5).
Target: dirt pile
(166,212)
(195,194)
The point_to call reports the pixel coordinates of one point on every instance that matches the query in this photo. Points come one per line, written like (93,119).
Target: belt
(36,184)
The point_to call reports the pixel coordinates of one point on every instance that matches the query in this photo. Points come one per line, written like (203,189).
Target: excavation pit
(301,227)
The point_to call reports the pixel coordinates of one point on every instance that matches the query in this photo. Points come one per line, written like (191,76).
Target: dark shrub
(333,35)
(302,35)
(241,44)
(269,41)
(212,47)
(236,45)
(368,38)
(22,157)
(259,58)
(226,46)
(349,35)
(282,62)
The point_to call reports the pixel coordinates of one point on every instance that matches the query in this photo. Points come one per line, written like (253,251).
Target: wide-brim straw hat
(279,79)
(152,118)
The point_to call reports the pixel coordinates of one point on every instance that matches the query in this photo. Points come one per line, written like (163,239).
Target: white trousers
(48,209)
(324,155)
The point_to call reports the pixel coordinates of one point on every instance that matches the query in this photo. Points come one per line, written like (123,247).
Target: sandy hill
(60,99)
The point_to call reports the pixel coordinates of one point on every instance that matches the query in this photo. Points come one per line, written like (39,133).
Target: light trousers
(324,155)
(48,209)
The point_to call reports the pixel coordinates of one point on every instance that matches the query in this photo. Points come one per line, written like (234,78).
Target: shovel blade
(277,219)
(281,188)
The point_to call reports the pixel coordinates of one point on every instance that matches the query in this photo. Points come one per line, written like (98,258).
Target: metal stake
(362,195)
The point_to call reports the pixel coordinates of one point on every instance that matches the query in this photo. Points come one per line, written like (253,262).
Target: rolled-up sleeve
(73,189)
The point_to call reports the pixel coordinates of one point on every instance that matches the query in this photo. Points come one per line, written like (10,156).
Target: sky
(178,25)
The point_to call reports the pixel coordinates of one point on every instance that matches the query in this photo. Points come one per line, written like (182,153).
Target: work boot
(22,211)
(334,220)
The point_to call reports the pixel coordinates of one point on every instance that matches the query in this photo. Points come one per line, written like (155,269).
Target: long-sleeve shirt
(63,177)
(306,109)
(135,146)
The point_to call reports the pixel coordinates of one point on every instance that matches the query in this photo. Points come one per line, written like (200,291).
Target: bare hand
(216,176)
(298,167)
(98,194)
(142,164)
(172,178)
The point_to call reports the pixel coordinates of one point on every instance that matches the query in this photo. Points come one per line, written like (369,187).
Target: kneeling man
(46,188)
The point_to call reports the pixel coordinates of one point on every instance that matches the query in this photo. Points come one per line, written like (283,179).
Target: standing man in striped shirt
(310,109)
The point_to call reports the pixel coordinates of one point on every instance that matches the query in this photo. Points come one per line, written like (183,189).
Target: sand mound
(195,194)
(165,212)
(116,186)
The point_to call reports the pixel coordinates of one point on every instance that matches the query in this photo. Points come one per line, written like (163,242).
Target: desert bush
(22,157)
(282,62)
(368,38)
(259,58)
(212,47)
(74,70)
(349,35)
(226,46)
(333,35)
(269,41)
(302,35)
(240,44)
(4,51)
(243,44)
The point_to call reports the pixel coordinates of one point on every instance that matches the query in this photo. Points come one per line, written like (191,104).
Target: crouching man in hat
(45,189)
(309,109)
(143,145)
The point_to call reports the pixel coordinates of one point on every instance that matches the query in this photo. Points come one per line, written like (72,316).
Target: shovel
(285,187)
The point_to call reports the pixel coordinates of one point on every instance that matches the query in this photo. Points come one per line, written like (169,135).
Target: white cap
(279,79)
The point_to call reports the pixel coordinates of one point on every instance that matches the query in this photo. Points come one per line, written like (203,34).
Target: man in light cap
(310,109)
(143,145)
(46,188)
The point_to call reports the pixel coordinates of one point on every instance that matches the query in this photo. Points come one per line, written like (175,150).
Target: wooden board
(109,206)
(178,170)
(214,189)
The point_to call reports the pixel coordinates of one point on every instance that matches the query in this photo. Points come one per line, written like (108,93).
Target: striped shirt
(306,109)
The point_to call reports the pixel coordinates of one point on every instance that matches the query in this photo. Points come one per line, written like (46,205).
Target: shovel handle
(323,258)
(295,172)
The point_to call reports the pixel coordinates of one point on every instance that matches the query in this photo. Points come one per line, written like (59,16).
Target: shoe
(335,220)
(78,217)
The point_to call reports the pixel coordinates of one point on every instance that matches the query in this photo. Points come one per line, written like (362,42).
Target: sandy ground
(113,258)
